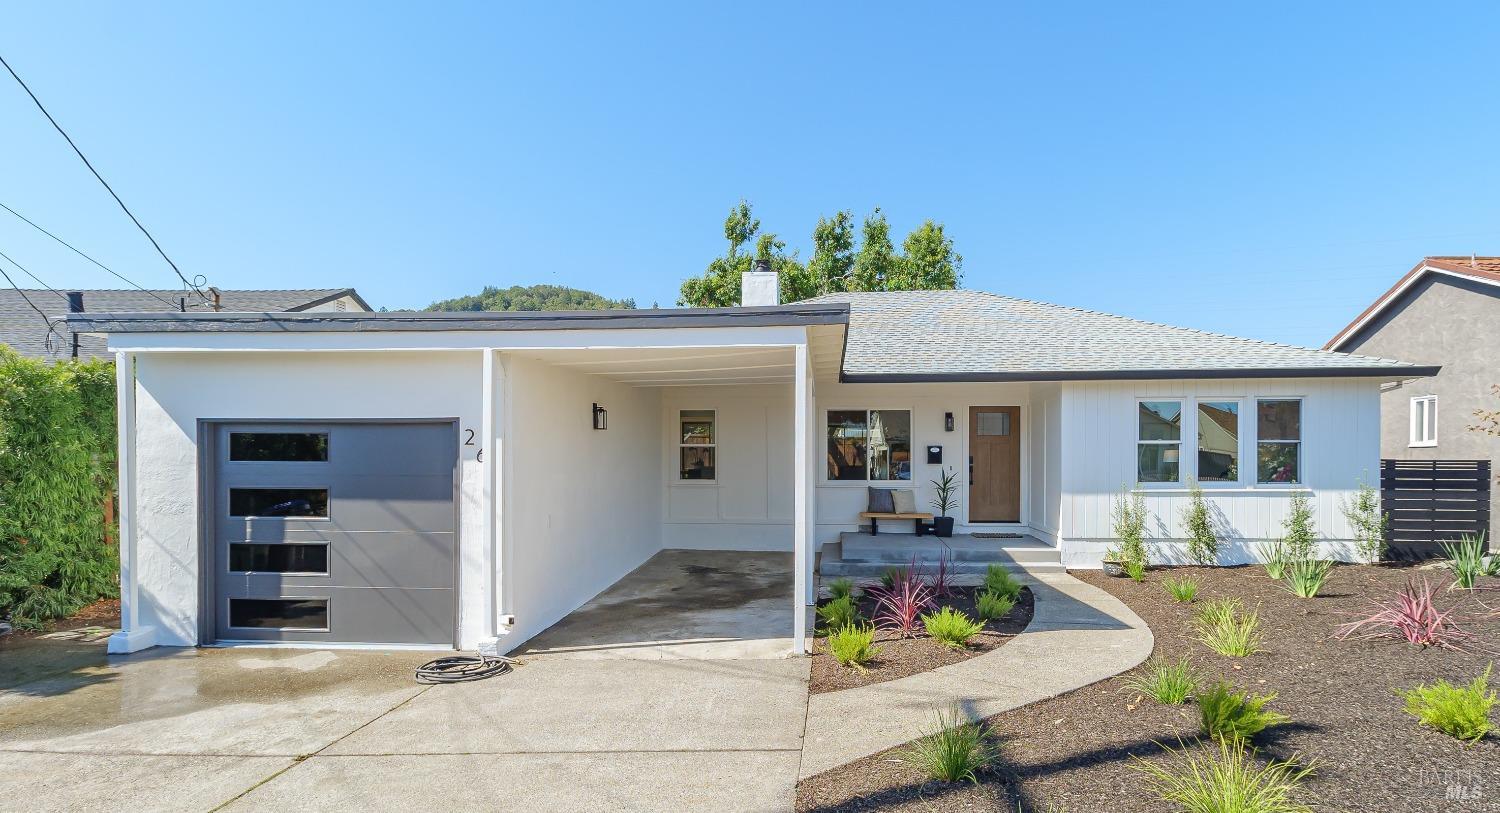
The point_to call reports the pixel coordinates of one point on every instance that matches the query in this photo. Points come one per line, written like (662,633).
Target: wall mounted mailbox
(935,455)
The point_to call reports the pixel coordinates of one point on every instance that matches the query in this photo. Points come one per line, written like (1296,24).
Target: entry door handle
(971,471)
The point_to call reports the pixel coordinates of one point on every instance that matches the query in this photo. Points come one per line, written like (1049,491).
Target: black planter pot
(942,526)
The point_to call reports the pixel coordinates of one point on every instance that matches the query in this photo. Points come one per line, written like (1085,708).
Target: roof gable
(1485,270)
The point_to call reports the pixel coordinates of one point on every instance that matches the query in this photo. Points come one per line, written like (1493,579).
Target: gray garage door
(334,532)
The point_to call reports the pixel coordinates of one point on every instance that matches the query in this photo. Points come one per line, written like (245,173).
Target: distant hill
(531,298)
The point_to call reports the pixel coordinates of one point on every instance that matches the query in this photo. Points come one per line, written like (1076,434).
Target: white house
(452,479)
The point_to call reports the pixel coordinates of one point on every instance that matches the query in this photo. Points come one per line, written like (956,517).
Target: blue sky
(1259,170)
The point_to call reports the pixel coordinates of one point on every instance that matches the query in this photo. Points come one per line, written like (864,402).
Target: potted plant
(945,501)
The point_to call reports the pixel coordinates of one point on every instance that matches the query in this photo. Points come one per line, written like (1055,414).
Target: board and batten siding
(1340,450)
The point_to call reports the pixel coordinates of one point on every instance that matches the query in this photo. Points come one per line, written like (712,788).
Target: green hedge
(57,477)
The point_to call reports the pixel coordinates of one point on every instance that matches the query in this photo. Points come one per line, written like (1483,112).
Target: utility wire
(46,320)
(107,187)
(170,304)
(60,294)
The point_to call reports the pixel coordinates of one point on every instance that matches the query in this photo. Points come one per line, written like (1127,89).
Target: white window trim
(824,480)
(1416,439)
(1182,442)
(1240,439)
(680,445)
(1302,474)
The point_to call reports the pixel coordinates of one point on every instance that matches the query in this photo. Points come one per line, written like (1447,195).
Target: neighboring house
(1445,311)
(24,330)
(449,479)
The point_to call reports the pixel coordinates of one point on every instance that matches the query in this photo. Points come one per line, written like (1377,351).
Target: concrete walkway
(1078,635)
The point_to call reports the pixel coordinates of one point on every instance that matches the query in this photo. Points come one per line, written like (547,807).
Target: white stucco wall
(1340,448)
(581,507)
(749,504)
(174,391)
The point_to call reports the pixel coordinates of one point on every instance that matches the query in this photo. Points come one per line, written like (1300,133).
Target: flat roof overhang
(1392,373)
(434,321)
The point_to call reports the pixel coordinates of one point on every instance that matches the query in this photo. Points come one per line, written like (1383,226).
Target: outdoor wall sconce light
(601,417)
(947,421)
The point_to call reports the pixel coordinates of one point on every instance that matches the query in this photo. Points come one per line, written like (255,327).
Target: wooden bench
(924,521)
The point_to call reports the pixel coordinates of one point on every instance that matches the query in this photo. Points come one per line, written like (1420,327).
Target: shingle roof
(976,336)
(22,328)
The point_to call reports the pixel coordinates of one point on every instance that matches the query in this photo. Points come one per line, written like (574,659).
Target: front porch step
(862,556)
(874,570)
(866,548)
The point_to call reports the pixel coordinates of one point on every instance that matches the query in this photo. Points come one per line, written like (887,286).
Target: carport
(578,447)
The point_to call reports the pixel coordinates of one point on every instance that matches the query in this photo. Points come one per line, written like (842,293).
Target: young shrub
(1412,615)
(1229,781)
(1224,628)
(1130,529)
(1305,577)
(951,628)
(893,575)
(1136,570)
(998,580)
(1273,555)
(839,613)
(854,645)
(1169,682)
(900,607)
(1462,712)
(841,588)
(991,606)
(1183,590)
(1231,716)
(1203,544)
(955,752)
(1301,540)
(1363,513)
(1465,560)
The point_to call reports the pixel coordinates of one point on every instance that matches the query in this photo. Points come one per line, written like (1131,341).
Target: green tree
(929,262)
(831,268)
(531,298)
(876,263)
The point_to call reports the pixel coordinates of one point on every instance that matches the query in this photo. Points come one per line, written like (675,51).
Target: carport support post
(132,636)
(803,497)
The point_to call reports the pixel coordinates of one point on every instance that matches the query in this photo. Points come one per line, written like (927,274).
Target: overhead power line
(46,320)
(24,270)
(122,277)
(107,187)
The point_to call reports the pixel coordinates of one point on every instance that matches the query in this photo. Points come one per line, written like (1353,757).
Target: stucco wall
(174,391)
(1454,323)
(1340,448)
(582,505)
(749,504)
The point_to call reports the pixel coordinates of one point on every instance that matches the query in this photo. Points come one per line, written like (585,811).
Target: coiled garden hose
(464,668)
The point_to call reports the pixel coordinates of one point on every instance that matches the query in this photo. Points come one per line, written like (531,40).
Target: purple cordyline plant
(941,576)
(900,608)
(1411,615)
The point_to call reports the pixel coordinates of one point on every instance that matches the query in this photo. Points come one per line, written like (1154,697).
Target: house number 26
(469,441)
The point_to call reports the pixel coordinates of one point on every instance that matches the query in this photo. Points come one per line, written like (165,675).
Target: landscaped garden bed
(1082,752)
(899,657)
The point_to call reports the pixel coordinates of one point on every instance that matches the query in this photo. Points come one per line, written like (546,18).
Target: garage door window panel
(309,503)
(304,614)
(278,447)
(285,557)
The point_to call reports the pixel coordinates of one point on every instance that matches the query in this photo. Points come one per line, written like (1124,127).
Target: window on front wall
(1278,441)
(696,444)
(1424,421)
(1219,441)
(869,444)
(1159,441)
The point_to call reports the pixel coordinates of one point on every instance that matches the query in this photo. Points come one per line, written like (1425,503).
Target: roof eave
(1395,292)
(1389,373)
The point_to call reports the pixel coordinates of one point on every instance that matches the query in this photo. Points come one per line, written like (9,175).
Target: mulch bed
(899,657)
(1075,752)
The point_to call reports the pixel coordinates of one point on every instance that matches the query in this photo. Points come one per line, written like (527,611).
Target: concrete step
(874,570)
(898,549)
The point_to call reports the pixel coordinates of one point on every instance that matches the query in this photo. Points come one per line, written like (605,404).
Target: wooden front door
(995,464)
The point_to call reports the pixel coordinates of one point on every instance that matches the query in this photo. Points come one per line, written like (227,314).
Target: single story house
(458,479)
(25,331)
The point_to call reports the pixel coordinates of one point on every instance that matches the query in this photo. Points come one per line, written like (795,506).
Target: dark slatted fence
(1429,502)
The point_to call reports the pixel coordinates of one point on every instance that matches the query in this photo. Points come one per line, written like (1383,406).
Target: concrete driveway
(281,729)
